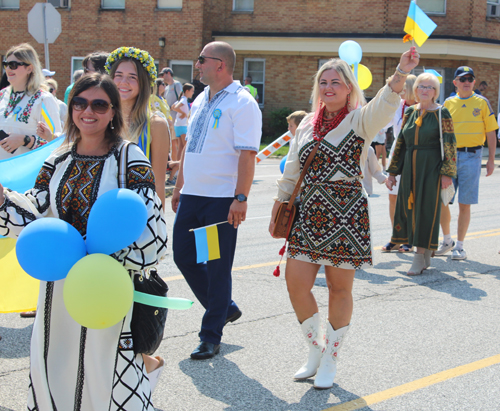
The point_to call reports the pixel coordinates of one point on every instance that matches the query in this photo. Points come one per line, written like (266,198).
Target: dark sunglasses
(464,79)
(97,106)
(13,65)
(201,59)
(51,90)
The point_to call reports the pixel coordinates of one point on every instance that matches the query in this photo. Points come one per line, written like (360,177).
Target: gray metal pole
(46,43)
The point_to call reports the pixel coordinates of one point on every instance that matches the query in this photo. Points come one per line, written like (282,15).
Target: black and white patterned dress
(72,367)
(333,227)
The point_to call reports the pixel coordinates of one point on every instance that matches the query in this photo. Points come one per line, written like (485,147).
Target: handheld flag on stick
(47,118)
(418,25)
(207,243)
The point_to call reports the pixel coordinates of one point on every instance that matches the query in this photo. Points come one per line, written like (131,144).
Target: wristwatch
(240,197)
(27,140)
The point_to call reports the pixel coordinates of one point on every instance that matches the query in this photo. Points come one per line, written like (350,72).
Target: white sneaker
(444,248)
(458,254)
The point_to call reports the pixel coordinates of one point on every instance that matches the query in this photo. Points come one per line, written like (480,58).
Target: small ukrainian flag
(47,118)
(418,25)
(207,243)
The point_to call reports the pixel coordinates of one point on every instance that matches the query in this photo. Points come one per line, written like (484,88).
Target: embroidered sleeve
(449,167)
(39,142)
(397,160)
(147,251)
(18,210)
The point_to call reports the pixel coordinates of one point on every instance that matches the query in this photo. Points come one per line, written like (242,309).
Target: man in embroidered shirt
(473,122)
(216,173)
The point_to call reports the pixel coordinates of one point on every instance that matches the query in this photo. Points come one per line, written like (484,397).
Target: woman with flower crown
(134,72)
(333,227)
(22,103)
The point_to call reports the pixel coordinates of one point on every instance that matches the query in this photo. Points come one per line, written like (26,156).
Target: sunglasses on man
(201,59)
(466,78)
(98,106)
(13,65)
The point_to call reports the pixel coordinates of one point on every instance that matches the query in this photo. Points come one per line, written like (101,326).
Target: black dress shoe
(233,317)
(205,350)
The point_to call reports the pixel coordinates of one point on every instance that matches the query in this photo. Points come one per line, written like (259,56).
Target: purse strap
(122,165)
(441,133)
(302,175)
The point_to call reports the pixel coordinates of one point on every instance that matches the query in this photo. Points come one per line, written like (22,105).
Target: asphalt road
(421,343)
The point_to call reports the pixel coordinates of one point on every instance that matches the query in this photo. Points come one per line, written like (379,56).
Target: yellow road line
(415,385)
(470,236)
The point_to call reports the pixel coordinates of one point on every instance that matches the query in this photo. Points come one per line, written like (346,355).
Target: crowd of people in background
(118,96)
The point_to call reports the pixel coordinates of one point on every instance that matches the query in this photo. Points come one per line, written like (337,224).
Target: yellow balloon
(98,291)
(364,77)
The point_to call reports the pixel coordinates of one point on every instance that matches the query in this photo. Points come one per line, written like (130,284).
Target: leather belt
(470,149)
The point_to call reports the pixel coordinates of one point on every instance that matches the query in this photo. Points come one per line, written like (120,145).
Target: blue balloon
(350,52)
(282,164)
(116,220)
(47,248)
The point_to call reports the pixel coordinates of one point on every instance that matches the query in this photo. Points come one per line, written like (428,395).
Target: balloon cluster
(98,290)
(351,53)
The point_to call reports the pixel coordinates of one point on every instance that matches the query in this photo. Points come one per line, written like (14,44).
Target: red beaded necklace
(322,127)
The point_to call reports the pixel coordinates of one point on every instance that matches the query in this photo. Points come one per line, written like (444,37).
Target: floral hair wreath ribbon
(131,52)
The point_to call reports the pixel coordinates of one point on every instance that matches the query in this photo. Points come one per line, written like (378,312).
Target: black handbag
(148,322)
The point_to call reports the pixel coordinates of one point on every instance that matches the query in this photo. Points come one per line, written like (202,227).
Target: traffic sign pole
(46,42)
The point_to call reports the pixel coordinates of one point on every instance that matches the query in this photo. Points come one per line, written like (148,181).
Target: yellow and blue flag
(432,71)
(47,118)
(207,243)
(418,25)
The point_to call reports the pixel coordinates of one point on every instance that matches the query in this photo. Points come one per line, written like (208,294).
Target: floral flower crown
(131,52)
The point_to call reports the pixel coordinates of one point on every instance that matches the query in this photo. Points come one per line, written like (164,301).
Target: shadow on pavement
(15,342)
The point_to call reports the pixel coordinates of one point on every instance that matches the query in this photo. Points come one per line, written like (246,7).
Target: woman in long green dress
(417,157)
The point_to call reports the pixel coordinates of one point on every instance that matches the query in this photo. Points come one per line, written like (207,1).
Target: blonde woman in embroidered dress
(146,128)
(73,367)
(21,103)
(333,227)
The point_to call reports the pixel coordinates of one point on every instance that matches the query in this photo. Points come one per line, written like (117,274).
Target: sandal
(405,248)
(389,247)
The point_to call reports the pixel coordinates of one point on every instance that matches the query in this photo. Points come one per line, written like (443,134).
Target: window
(442,94)
(113,4)
(433,6)
(256,68)
(76,64)
(9,4)
(242,5)
(59,3)
(170,4)
(493,8)
(321,62)
(183,70)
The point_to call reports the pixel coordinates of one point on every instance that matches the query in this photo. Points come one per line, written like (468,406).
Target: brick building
(280,43)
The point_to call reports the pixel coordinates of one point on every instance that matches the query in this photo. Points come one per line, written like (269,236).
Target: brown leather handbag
(288,211)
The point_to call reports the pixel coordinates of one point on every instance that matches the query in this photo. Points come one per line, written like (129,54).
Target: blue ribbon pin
(17,110)
(217,114)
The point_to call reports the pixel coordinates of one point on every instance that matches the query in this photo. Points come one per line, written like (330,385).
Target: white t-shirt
(185,109)
(217,131)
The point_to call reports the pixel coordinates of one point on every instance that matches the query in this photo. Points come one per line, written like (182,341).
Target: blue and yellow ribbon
(217,114)
(47,118)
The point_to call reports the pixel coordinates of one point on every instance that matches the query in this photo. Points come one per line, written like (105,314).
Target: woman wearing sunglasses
(417,158)
(22,103)
(73,367)
(134,72)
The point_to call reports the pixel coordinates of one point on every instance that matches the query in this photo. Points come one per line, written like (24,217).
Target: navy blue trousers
(210,282)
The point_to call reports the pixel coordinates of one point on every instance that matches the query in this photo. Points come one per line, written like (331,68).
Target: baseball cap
(464,70)
(166,70)
(46,72)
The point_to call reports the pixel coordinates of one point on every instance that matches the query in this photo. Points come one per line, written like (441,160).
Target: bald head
(225,52)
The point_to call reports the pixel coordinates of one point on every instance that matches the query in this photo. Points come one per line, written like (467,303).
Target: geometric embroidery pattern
(333,224)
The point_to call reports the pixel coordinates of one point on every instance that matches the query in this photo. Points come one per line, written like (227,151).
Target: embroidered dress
(20,114)
(417,158)
(72,367)
(333,227)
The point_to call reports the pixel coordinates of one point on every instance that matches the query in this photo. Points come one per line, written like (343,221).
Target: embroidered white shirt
(217,131)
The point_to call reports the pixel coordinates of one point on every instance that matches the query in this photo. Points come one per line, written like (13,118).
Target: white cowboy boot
(313,333)
(328,366)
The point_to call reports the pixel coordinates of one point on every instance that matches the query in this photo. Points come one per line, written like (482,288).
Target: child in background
(371,170)
(294,120)
(181,121)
